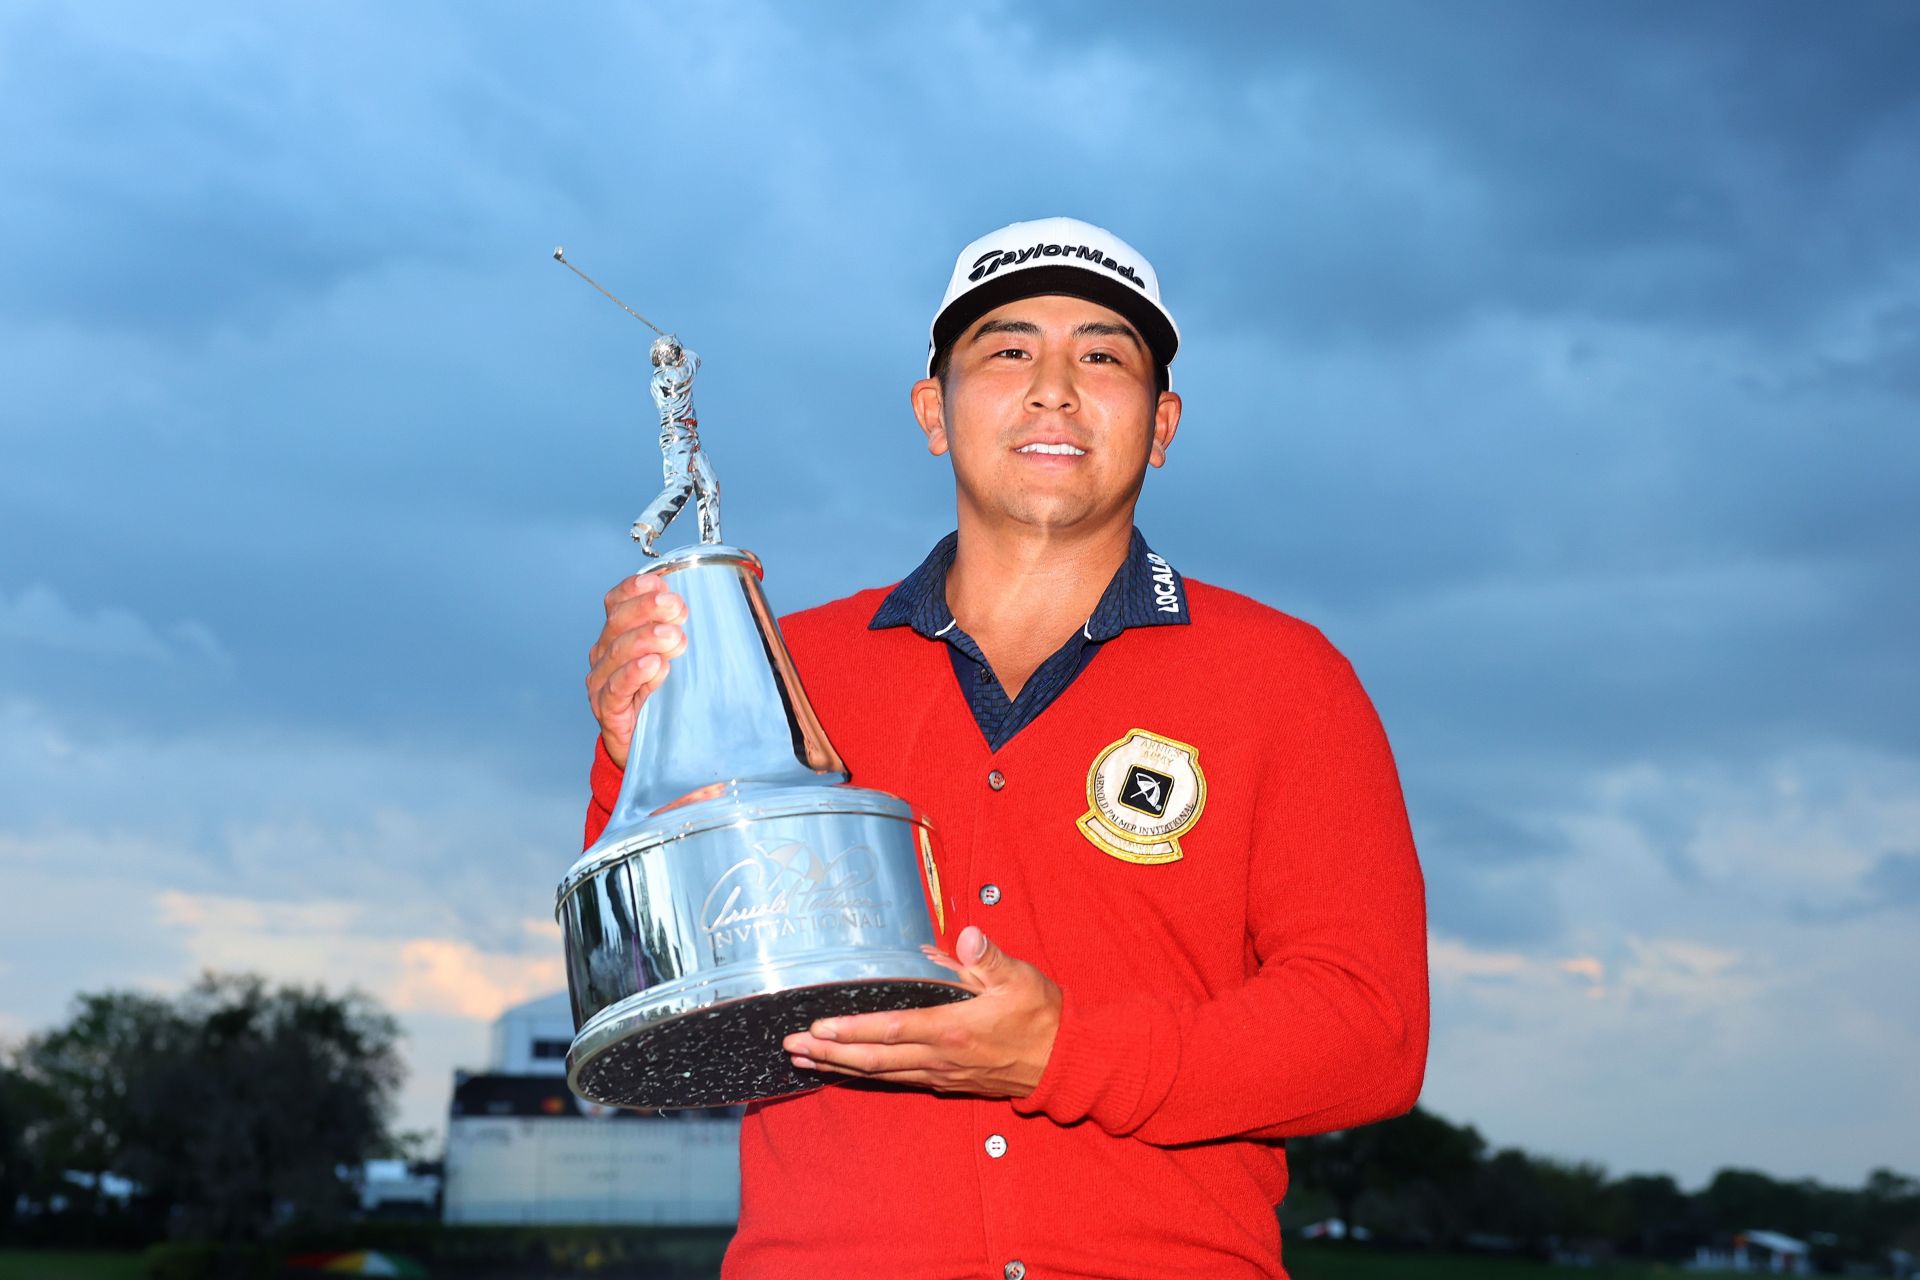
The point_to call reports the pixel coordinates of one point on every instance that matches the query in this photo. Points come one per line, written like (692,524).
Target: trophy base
(729,1052)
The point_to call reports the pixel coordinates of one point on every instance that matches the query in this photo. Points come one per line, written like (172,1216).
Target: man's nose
(1052,387)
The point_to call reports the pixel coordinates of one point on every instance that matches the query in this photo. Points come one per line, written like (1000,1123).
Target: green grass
(1337,1262)
(42,1264)
(1304,1262)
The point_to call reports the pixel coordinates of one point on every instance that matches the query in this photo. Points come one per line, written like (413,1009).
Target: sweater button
(996,780)
(989,894)
(996,1146)
(1015,1270)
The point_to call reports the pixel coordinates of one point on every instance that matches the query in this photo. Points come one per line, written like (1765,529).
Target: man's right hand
(630,659)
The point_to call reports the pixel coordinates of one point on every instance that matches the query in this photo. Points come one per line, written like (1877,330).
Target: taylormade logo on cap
(1053,256)
(994,259)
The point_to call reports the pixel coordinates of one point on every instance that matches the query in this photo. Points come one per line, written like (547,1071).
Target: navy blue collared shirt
(1145,592)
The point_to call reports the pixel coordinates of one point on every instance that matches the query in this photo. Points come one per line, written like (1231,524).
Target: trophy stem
(731,713)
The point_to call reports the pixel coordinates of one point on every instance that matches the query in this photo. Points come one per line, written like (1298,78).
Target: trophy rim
(705,552)
(737,805)
(654,1009)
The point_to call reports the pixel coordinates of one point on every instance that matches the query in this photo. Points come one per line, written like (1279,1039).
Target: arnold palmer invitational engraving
(742,887)
(790,890)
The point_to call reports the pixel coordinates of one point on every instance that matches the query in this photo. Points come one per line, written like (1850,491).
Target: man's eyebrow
(1026,327)
(1107,329)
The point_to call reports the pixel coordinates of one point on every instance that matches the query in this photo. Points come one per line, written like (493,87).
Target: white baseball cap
(1054,255)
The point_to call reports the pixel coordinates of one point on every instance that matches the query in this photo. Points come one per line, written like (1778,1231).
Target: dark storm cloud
(1489,873)
(1554,361)
(1717,162)
(1891,884)
(180,177)
(1894,881)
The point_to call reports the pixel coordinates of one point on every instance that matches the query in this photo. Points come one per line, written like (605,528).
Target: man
(1193,915)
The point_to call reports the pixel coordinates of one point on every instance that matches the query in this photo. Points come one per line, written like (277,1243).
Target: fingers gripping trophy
(743,887)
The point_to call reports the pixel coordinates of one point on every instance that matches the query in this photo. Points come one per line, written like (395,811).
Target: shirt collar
(920,601)
(1146,591)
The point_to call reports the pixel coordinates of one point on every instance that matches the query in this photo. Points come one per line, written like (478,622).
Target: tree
(1335,1163)
(81,1076)
(1416,1169)
(1422,1183)
(1657,1218)
(1576,1192)
(236,1105)
(1890,1213)
(1512,1200)
(1420,1178)
(1743,1199)
(24,1110)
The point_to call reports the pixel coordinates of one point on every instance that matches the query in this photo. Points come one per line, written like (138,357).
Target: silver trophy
(742,888)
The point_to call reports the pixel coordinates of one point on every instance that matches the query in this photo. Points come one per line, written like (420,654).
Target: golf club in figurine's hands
(683,463)
(742,888)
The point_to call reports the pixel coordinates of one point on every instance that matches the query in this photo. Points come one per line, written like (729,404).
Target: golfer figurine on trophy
(742,888)
(683,463)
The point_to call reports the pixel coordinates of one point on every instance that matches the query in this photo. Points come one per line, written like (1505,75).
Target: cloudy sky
(1560,362)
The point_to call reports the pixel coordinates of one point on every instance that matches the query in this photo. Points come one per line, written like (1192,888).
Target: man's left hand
(995,1044)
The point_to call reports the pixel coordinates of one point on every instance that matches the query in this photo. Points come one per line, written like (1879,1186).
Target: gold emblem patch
(1143,793)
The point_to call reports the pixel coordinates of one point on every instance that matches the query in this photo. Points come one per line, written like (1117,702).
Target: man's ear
(1166,421)
(930,410)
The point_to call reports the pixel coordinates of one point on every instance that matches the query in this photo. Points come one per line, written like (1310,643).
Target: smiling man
(1190,906)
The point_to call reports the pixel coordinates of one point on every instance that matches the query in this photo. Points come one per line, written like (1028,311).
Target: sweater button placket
(990,893)
(1015,1270)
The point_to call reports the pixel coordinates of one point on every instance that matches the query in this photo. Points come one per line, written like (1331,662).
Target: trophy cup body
(743,887)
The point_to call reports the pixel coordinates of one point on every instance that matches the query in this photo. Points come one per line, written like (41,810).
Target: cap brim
(1074,282)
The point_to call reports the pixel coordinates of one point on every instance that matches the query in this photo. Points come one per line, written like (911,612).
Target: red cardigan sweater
(1268,982)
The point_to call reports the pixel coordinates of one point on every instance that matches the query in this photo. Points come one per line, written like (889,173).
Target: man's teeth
(1064,449)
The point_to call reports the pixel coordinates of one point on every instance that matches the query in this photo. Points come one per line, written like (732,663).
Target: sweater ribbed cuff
(605,781)
(606,775)
(1097,1071)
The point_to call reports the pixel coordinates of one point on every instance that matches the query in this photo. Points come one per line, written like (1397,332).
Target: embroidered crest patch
(1143,793)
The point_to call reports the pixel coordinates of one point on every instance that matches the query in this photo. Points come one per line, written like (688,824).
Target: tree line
(231,1110)
(238,1108)
(1421,1181)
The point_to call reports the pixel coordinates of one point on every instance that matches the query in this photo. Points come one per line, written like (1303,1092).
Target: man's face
(1051,413)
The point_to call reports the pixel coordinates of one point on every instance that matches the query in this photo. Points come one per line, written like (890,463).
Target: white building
(531,1039)
(521,1148)
(1768,1252)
